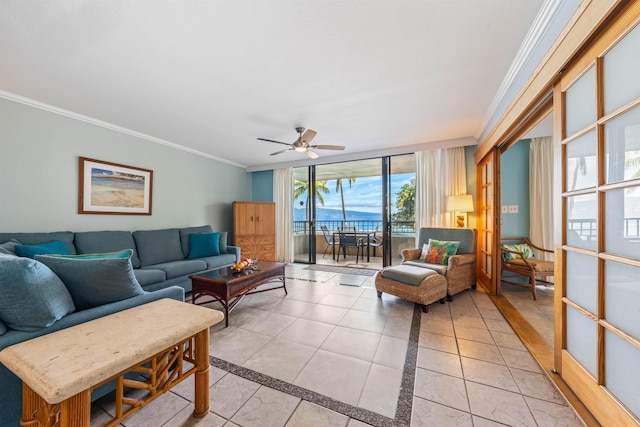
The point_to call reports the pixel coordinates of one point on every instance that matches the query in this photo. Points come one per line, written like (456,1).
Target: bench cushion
(440,269)
(409,274)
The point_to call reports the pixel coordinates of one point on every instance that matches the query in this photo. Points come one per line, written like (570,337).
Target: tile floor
(331,353)
(539,312)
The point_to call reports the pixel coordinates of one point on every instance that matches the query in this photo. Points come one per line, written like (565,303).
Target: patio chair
(517,257)
(328,237)
(376,243)
(349,239)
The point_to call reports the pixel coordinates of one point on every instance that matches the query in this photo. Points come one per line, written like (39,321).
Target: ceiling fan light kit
(301,145)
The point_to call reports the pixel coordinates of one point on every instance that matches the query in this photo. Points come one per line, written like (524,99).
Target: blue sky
(364,195)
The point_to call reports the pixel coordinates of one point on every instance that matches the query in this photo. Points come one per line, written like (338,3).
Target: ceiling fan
(302,144)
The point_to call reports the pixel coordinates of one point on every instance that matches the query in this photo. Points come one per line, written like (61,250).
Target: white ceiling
(212,76)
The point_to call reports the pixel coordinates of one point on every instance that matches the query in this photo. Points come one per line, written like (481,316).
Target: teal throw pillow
(52,247)
(9,248)
(438,252)
(32,297)
(203,245)
(95,279)
(524,248)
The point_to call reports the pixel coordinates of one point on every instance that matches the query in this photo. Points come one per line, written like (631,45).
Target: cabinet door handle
(252,218)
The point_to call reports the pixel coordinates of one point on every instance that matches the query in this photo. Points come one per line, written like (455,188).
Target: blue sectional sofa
(42,295)
(161,258)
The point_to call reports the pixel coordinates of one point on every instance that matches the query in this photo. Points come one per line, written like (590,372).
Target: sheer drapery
(541,194)
(439,173)
(283,196)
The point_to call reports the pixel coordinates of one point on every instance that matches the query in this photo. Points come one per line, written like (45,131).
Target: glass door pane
(402,204)
(303,214)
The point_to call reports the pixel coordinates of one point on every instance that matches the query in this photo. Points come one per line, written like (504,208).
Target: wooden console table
(59,370)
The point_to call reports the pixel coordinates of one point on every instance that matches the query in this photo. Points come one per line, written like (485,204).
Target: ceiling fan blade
(308,135)
(278,152)
(312,155)
(327,147)
(271,140)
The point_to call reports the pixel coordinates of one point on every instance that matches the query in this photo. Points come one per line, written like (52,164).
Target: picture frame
(113,188)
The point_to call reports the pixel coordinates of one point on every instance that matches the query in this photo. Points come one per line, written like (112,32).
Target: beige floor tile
(537,385)
(292,307)
(473,334)
(438,342)
(99,416)
(391,352)
(440,388)
(481,351)
(335,300)
(520,359)
(436,326)
(325,313)
(262,301)
(354,423)
(369,290)
(354,291)
(334,375)
(438,361)
(398,327)
(238,347)
(308,415)
(489,374)
(364,321)
(426,413)
(370,305)
(499,405)
(271,324)
(507,339)
(307,332)
(347,279)
(381,390)
(483,422)
(551,414)
(280,359)
(499,325)
(157,412)
(352,342)
(185,418)
(229,394)
(186,389)
(312,294)
(266,408)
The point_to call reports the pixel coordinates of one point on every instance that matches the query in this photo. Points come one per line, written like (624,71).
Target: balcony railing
(398,228)
(588,228)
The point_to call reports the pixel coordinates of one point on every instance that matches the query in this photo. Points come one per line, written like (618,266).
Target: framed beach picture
(111,188)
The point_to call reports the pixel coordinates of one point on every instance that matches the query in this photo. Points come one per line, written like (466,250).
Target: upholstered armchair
(460,270)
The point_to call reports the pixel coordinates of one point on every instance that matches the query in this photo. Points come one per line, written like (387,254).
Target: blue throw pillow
(203,245)
(95,279)
(32,297)
(52,247)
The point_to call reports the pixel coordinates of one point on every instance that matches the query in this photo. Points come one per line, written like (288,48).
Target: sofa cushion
(408,274)
(146,276)
(32,297)
(186,232)
(438,252)
(158,246)
(439,268)
(204,245)
(65,237)
(222,260)
(223,242)
(95,279)
(180,268)
(93,242)
(53,247)
(3,328)
(9,247)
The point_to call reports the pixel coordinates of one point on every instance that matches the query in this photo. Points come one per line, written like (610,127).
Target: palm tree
(302,187)
(339,188)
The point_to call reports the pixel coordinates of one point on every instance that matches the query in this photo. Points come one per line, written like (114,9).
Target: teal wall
(39,173)
(514,185)
(262,186)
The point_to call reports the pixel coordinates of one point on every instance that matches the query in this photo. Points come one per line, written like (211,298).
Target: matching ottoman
(415,284)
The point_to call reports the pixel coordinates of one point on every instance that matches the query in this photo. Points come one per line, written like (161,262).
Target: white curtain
(283,196)
(541,194)
(439,173)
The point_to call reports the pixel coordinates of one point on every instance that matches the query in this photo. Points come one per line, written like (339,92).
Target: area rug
(343,270)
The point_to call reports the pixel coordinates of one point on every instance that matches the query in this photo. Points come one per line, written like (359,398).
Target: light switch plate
(513,208)
(505,209)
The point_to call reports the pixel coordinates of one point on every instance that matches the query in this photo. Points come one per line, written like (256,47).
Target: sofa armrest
(235,250)
(461,259)
(410,254)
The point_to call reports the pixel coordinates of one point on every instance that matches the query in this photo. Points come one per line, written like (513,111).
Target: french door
(597,346)
(487,222)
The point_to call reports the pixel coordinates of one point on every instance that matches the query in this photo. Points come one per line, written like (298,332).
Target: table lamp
(460,204)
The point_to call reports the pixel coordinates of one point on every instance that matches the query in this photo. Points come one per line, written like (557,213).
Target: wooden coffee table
(228,288)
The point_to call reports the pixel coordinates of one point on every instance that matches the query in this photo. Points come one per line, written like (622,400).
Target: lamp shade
(461,203)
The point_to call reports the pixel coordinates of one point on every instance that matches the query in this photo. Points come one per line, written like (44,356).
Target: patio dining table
(359,234)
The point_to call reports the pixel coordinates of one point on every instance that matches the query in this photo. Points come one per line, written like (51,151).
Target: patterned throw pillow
(438,252)
(526,250)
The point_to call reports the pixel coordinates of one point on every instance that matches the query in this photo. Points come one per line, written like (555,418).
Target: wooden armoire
(254,229)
